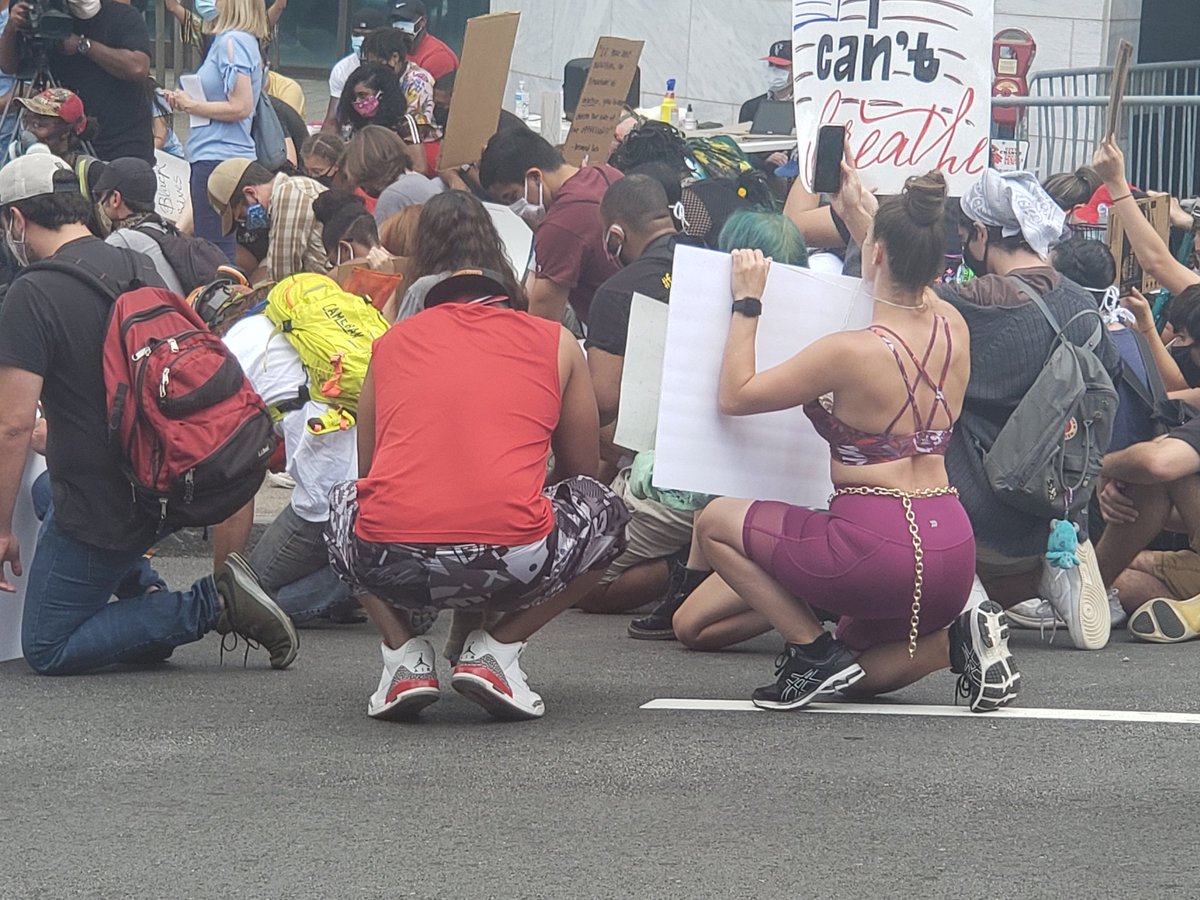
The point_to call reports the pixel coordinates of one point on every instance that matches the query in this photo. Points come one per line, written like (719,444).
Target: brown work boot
(251,614)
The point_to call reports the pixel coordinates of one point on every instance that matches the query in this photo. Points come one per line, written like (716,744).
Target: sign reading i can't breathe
(910,80)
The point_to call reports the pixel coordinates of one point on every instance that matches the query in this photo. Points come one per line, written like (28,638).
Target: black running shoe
(987,675)
(681,581)
(807,672)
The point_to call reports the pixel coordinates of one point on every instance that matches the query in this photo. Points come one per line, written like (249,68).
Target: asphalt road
(197,780)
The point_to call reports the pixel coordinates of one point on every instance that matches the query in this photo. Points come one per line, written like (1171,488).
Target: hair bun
(924,198)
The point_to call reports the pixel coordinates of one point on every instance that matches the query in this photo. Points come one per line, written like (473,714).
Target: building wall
(712,47)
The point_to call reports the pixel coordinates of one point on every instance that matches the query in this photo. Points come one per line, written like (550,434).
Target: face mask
(257,218)
(367,106)
(356,43)
(777,79)
(16,246)
(409,28)
(533,214)
(614,256)
(25,140)
(679,213)
(206,9)
(976,265)
(441,115)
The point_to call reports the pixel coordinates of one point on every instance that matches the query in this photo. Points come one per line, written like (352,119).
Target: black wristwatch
(748,306)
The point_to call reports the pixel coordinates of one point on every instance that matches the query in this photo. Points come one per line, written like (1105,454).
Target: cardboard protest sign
(602,102)
(479,87)
(25,527)
(641,376)
(910,79)
(774,456)
(1129,270)
(174,186)
(1120,83)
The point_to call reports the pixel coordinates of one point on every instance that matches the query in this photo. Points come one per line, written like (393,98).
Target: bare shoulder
(958,325)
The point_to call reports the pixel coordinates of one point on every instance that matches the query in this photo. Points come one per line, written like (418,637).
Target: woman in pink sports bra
(894,556)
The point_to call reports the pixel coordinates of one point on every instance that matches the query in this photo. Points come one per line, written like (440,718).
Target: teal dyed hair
(771,232)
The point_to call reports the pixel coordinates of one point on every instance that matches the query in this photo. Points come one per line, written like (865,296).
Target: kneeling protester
(457,416)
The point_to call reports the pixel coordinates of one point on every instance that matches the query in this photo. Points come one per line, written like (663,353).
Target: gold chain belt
(906,498)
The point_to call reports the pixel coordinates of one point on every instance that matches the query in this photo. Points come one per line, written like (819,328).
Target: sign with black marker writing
(910,79)
(602,102)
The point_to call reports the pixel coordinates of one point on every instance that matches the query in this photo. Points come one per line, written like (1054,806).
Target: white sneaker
(489,673)
(1035,613)
(409,682)
(1079,599)
(281,480)
(1116,612)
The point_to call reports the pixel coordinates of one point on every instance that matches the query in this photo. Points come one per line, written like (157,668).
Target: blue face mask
(257,218)
(206,9)
(356,43)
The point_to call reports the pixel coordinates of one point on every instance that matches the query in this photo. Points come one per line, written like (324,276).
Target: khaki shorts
(655,531)
(990,564)
(1179,570)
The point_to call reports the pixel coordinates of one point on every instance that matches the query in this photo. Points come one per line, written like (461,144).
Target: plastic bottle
(521,106)
(689,119)
(669,111)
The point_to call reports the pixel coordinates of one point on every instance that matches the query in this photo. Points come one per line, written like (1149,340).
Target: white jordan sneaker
(409,682)
(489,673)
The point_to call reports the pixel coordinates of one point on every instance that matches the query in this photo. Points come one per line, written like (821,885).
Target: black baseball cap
(467,284)
(780,54)
(368,19)
(409,10)
(133,177)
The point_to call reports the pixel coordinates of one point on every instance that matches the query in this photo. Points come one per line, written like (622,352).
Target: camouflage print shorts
(588,534)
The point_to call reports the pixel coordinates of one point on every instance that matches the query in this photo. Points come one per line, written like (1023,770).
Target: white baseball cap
(32,175)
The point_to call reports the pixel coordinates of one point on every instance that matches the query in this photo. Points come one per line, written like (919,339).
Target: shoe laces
(250,643)
(972,674)
(1046,611)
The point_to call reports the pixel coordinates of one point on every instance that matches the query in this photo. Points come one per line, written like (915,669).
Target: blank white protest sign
(641,376)
(774,456)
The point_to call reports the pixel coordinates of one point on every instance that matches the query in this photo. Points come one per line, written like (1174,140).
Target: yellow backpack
(332,330)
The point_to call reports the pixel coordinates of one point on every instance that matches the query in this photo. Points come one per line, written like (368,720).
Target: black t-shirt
(649,274)
(122,108)
(54,325)
(1189,369)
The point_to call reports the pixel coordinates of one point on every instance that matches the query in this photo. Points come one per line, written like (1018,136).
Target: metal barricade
(1067,113)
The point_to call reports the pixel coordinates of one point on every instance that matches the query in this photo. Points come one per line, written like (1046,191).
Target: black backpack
(194,259)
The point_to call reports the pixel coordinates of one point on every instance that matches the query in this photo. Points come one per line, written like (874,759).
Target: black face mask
(441,115)
(976,265)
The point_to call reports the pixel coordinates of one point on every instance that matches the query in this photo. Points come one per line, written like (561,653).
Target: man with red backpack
(53,340)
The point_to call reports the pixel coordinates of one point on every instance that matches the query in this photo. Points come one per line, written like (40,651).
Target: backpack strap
(1060,330)
(97,279)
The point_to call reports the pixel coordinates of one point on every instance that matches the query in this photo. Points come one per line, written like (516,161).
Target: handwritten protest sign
(479,87)
(773,456)
(911,80)
(1129,271)
(602,101)
(174,190)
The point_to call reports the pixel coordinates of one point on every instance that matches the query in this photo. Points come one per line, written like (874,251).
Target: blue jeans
(70,626)
(205,222)
(292,565)
(137,581)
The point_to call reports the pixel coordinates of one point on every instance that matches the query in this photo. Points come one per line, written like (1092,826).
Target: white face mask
(356,43)
(406,27)
(532,213)
(83,9)
(777,79)
(17,246)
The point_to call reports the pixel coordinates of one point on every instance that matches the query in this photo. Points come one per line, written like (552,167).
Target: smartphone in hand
(827,175)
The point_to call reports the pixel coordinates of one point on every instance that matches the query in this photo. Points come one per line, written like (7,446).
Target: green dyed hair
(771,232)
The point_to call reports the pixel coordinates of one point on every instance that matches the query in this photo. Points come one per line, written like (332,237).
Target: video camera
(50,23)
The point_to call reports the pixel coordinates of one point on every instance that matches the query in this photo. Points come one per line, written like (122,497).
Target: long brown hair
(455,232)
(912,228)
(374,158)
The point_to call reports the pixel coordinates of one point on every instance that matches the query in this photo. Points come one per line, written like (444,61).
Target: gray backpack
(1047,457)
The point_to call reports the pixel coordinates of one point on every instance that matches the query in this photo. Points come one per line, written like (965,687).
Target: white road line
(899,709)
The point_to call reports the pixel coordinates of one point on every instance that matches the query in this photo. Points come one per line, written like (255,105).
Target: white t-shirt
(316,461)
(340,74)
(143,243)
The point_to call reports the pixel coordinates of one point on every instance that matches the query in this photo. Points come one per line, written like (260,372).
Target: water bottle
(521,106)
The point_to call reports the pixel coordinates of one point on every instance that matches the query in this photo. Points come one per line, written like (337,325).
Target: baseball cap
(780,54)
(133,177)
(368,19)
(222,185)
(32,175)
(409,10)
(58,102)
(464,284)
